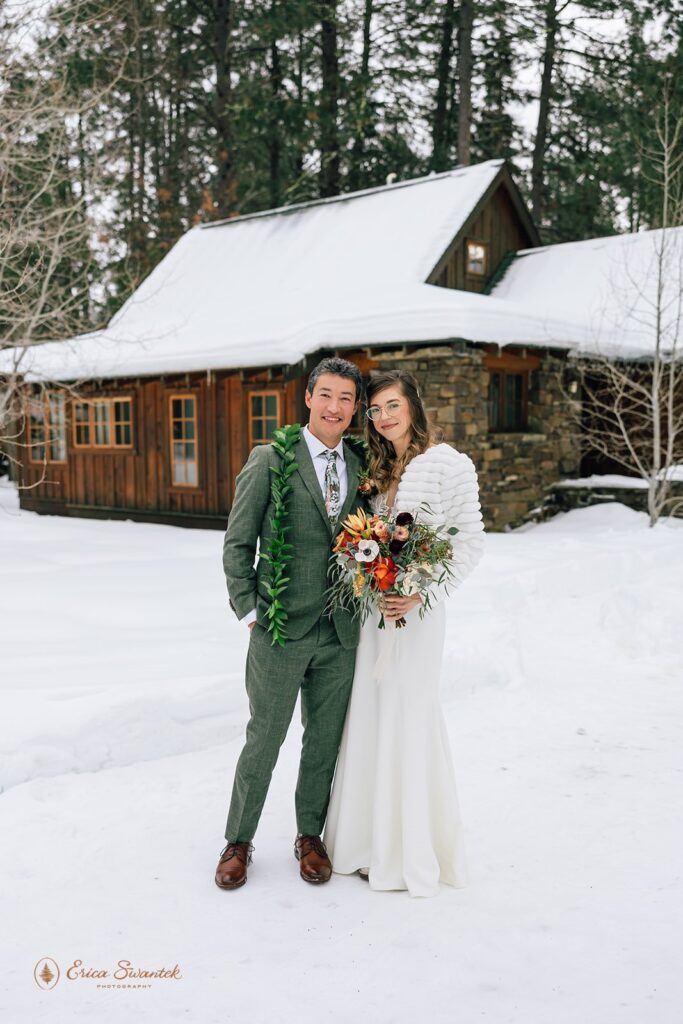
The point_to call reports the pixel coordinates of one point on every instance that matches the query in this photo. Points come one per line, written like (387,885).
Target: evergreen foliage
(136,119)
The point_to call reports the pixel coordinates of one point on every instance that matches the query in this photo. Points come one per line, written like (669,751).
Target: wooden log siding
(138,479)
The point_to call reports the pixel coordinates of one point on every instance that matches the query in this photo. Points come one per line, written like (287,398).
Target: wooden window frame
(119,400)
(90,403)
(262,393)
(183,396)
(44,401)
(486,247)
(511,364)
(500,427)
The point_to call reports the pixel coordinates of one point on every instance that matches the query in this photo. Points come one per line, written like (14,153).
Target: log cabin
(153,417)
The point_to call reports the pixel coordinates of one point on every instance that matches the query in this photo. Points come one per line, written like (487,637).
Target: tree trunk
(329,101)
(356,176)
(225,198)
(300,96)
(537,176)
(465,81)
(275,75)
(440,135)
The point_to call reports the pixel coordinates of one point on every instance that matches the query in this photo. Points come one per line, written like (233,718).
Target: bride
(393,813)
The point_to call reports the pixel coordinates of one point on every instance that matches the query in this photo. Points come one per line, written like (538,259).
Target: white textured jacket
(446,481)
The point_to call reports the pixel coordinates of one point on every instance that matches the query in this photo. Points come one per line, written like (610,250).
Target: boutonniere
(366,485)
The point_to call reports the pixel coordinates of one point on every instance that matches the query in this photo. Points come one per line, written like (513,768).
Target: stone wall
(516,470)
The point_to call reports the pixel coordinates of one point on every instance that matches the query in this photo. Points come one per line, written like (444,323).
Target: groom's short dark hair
(340,368)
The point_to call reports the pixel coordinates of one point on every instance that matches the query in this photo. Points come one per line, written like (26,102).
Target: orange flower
(343,539)
(357,524)
(385,573)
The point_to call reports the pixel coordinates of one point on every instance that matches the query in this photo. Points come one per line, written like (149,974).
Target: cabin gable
(498,226)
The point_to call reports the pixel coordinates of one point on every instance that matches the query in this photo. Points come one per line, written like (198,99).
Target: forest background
(125,122)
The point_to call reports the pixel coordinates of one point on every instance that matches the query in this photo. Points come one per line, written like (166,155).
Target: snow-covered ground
(122,714)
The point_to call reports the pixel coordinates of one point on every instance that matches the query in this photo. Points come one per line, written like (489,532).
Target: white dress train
(394,806)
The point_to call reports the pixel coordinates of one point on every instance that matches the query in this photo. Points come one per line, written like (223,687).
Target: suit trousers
(319,667)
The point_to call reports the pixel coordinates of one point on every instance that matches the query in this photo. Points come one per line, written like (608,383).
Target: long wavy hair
(383,464)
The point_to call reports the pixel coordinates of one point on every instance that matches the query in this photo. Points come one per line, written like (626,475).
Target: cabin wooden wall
(138,480)
(498,224)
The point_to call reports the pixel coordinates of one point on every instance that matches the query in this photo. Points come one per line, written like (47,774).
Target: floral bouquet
(375,556)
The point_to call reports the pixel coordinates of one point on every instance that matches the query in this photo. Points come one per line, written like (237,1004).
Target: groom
(320,652)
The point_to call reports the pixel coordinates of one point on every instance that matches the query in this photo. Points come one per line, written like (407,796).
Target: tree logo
(46,972)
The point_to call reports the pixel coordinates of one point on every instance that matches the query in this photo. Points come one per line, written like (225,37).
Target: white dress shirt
(317,450)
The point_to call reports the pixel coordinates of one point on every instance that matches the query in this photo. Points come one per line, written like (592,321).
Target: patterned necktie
(331,485)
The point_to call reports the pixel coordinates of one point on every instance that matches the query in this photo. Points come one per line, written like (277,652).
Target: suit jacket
(309,532)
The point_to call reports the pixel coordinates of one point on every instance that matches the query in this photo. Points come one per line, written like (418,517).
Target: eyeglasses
(375,411)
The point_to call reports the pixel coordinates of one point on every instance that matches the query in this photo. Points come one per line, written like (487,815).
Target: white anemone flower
(367,551)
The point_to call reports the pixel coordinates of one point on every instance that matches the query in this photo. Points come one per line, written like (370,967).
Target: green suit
(318,658)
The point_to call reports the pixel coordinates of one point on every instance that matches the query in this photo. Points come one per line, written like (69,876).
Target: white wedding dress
(394,806)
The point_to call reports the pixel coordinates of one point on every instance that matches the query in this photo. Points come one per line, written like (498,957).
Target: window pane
(476,258)
(257,430)
(123,433)
(57,412)
(122,411)
(179,473)
(256,405)
(189,408)
(57,409)
(177,430)
(37,429)
(518,390)
(271,406)
(494,401)
(57,449)
(177,408)
(178,452)
(102,423)
(191,472)
(189,452)
(81,415)
(189,429)
(508,407)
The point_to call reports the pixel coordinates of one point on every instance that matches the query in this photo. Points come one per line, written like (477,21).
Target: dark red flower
(404,519)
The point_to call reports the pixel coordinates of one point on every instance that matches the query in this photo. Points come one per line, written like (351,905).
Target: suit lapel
(307,473)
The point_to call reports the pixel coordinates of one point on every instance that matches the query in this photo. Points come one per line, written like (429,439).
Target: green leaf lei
(280,552)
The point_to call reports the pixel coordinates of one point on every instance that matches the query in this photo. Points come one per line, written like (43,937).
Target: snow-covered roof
(271,288)
(606,287)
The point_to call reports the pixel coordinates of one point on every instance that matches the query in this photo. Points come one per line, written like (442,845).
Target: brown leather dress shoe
(314,864)
(231,872)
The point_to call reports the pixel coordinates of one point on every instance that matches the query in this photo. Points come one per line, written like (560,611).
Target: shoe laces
(242,851)
(310,844)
